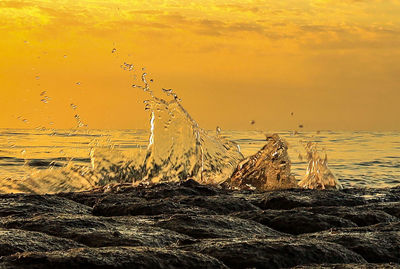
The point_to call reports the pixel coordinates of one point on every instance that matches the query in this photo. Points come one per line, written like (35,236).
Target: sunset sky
(334,63)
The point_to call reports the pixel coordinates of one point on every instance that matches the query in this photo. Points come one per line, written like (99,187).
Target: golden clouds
(317,57)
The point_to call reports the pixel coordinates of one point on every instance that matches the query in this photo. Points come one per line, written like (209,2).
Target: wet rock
(23,205)
(296,221)
(111,257)
(289,199)
(268,169)
(375,247)
(380,227)
(215,226)
(97,232)
(274,252)
(349,266)
(391,208)
(240,228)
(362,216)
(13,241)
(221,204)
(119,206)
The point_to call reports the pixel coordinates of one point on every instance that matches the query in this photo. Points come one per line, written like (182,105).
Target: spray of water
(318,174)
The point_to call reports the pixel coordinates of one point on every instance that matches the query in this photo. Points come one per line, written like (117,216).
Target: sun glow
(333,63)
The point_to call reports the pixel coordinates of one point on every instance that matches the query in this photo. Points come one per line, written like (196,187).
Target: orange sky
(334,63)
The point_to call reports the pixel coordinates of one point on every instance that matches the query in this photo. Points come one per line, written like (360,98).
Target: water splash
(318,174)
(268,169)
(179,149)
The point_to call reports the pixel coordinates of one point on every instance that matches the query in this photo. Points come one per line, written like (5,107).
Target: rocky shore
(188,225)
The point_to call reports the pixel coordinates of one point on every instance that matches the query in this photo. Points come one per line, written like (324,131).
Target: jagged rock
(349,266)
(13,241)
(360,215)
(215,226)
(221,204)
(375,247)
(268,169)
(289,199)
(111,257)
(30,205)
(274,252)
(117,207)
(296,221)
(241,228)
(98,232)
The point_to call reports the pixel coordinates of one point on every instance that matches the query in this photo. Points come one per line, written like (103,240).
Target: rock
(180,225)
(375,247)
(221,204)
(360,215)
(391,208)
(117,207)
(274,252)
(111,257)
(25,205)
(215,226)
(98,232)
(268,169)
(296,221)
(289,199)
(13,241)
(349,266)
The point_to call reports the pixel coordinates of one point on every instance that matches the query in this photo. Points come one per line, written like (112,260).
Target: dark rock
(13,241)
(392,208)
(23,205)
(360,215)
(119,206)
(349,266)
(375,247)
(97,232)
(289,199)
(215,226)
(274,252)
(296,221)
(221,204)
(380,227)
(111,257)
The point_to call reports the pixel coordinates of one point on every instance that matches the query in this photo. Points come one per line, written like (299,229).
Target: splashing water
(178,149)
(318,174)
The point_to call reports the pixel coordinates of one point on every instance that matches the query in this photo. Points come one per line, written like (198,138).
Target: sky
(324,64)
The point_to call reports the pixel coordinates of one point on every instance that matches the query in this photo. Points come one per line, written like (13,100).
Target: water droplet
(113,50)
(252,122)
(65,56)
(37,77)
(78,83)
(43,93)
(73,106)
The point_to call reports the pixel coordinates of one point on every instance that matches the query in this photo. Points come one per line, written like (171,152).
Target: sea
(361,159)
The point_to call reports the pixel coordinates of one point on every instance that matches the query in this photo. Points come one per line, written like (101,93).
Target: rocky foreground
(188,225)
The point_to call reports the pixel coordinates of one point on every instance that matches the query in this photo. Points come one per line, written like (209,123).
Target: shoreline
(180,225)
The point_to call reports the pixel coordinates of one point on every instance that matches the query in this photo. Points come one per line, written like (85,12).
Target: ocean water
(358,159)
